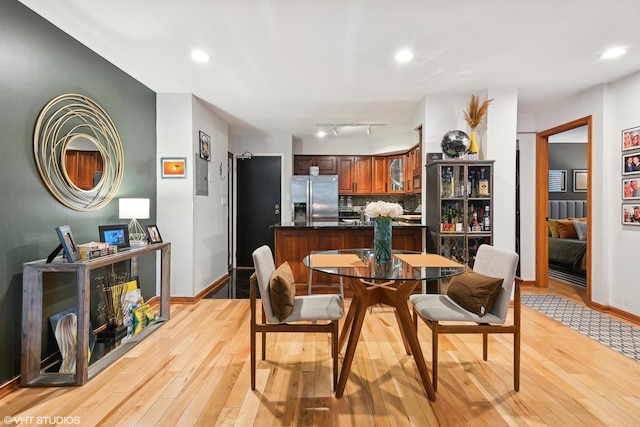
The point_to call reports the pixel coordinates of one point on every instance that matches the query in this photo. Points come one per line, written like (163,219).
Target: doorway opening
(542,200)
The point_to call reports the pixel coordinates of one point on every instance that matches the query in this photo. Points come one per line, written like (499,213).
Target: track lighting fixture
(336,127)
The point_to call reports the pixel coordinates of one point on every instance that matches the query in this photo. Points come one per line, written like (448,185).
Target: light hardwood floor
(195,371)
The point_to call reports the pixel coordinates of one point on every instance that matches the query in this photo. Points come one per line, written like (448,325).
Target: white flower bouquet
(380,208)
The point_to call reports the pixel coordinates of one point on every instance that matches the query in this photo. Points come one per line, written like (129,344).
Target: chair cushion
(282,291)
(567,230)
(474,291)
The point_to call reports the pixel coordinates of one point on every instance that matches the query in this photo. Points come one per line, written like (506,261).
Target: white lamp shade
(134,208)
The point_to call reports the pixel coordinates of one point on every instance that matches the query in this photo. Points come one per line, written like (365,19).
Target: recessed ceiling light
(404,56)
(321,133)
(199,55)
(613,53)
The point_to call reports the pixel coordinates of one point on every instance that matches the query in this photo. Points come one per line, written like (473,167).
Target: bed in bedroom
(568,236)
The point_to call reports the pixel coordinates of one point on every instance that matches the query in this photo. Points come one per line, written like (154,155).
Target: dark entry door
(259,184)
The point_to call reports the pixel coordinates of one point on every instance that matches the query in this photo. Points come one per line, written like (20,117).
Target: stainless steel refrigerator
(314,198)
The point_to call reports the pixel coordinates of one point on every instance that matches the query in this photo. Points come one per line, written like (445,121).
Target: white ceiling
(281,66)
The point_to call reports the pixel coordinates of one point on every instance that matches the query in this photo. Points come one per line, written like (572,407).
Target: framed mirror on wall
(78,152)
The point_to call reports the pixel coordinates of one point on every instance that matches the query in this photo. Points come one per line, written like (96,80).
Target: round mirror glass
(83,162)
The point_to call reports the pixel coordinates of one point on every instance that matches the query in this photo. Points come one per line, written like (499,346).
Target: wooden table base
(394,294)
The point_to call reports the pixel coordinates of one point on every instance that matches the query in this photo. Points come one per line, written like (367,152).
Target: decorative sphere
(455,143)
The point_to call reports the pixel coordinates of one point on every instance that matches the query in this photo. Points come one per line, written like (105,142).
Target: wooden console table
(31,372)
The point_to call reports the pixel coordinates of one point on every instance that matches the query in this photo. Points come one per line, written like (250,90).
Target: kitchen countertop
(341,225)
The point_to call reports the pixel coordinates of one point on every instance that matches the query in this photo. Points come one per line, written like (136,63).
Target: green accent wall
(38,62)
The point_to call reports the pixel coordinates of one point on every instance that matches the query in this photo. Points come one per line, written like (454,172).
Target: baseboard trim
(203,293)
(9,386)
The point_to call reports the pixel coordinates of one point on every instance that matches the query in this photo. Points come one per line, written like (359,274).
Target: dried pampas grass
(475,113)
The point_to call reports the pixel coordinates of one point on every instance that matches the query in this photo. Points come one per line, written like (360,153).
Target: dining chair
(309,313)
(490,263)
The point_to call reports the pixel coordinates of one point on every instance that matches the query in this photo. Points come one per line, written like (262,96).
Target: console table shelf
(32,373)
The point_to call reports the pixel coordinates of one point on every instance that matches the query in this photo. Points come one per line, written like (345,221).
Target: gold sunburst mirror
(78,152)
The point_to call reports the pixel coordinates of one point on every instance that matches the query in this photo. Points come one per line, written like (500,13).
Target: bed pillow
(581,229)
(553,228)
(282,291)
(475,292)
(567,230)
(578,219)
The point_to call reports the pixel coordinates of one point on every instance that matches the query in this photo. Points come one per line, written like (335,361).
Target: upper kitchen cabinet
(327,165)
(355,174)
(388,174)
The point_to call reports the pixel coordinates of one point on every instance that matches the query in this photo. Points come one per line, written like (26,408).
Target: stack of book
(93,250)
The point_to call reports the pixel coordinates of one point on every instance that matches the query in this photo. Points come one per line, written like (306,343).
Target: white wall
(195,225)
(367,145)
(497,141)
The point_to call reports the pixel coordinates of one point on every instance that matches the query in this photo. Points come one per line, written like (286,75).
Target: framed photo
(631,138)
(117,235)
(579,181)
(631,188)
(68,243)
(154,234)
(557,181)
(205,144)
(631,163)
(65,330)
(631,213)
(173,167)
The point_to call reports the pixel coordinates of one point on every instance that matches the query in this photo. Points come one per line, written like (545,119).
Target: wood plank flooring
(194,371)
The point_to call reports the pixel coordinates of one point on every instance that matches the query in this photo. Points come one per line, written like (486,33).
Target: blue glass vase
(382,239)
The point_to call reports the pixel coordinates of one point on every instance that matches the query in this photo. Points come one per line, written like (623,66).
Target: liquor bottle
(452,190)
(483,185)
(470,185)
(486,220)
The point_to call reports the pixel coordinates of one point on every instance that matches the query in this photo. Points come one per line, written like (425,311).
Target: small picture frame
(631,138)
(205,146)
(631,188)
(71,252)
(173,167)
(631,163)
(631,213)
(116,235)
(580,182)
(154,234)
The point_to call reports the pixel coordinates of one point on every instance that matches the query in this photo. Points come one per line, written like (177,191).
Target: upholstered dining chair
(467,304)
(307,313)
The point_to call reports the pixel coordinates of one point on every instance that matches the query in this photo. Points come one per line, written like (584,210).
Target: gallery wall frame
(631,163)
(173,167)
(631,138)
(631,213)
(580,181)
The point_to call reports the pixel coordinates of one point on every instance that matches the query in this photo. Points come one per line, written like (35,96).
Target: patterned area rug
(619,336)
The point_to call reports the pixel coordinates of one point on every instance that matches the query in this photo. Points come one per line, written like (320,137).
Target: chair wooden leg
(334,352)
(264,337)
(485,346)
(434,353)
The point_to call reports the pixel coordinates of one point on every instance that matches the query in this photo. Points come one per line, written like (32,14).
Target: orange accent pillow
(567,230)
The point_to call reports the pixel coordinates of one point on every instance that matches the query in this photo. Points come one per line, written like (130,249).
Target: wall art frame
(580,181)
(631,138)
(173,167)
(631,163)
(557,181)
(631,214)
(205,146)
(631,189)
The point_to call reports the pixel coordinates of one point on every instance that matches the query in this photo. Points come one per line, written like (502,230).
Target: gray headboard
(560,209)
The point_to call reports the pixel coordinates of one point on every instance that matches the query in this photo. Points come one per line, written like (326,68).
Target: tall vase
(472,152)
(382,239)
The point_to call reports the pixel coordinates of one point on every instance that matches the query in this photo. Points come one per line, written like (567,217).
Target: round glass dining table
(388,283)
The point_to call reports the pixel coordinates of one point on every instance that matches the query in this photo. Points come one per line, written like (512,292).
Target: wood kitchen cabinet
(388,175)
(355,174)
(327,165)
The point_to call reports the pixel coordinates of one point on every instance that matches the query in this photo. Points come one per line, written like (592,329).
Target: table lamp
(135,209)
